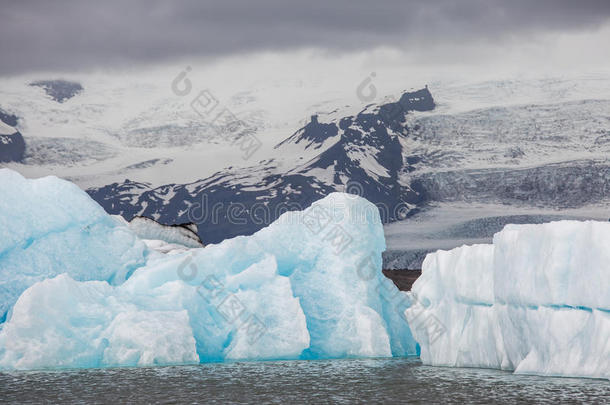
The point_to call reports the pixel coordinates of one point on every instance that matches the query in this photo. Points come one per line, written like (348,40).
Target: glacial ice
(49,227)
(78,288)
(536,301)
(308,286)
(148,229)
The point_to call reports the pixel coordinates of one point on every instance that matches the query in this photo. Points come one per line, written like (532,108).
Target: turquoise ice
(49,227)
(307,286)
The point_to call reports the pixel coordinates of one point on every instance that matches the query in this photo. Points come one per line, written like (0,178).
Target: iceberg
(49,227)
(80,288)
(308,286)
(536,301)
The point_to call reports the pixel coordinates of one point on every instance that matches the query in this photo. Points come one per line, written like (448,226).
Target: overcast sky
(67,35)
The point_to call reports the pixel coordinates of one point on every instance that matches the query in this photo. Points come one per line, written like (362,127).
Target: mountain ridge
(365,159)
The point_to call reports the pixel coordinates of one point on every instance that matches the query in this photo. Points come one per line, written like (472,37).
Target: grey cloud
(70,34)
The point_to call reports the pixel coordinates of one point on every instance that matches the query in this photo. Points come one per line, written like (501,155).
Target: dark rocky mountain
(8,119)
(59,90)
(12,144)
(12,147)
(224,205)
(361,154)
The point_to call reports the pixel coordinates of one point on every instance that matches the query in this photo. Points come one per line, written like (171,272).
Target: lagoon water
(323,381)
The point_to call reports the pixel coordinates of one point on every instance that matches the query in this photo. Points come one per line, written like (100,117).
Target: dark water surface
(328,381)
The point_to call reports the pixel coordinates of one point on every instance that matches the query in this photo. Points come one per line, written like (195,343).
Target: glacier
(80,289)
(535,301)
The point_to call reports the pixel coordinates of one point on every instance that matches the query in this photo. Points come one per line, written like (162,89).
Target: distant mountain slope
(446,225)
(361,154)
(535,147)
(12,145)
(8,119)
(552,156)
(570,184)
(59,90)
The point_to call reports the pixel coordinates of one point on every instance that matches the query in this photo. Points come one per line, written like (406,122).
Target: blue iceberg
(89,293)
(49,227)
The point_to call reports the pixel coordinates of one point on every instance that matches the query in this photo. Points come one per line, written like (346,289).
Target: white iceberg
(307,286)
(537,301)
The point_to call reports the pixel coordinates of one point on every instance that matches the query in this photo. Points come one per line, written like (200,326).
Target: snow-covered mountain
(552,156)
(469,154)
(361,154)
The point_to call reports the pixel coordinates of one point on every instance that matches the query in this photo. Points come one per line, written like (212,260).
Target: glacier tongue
(307,286)
(537,301)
